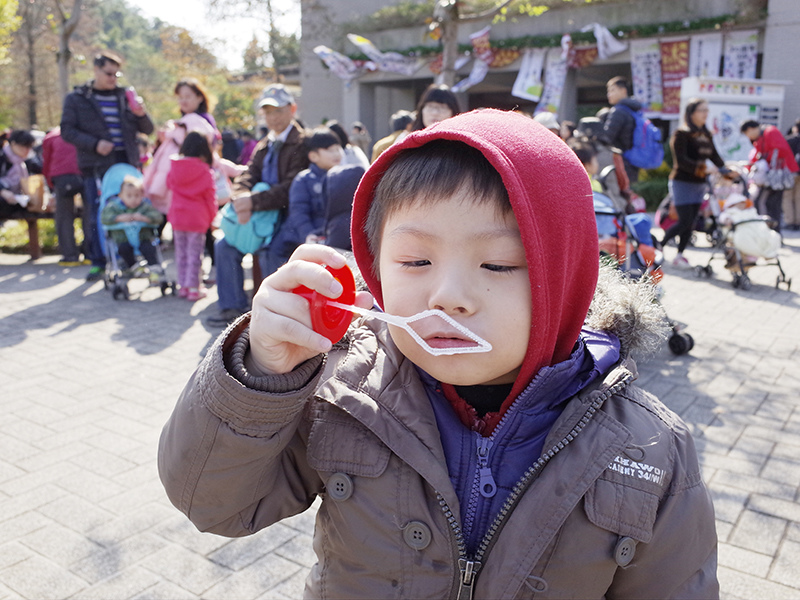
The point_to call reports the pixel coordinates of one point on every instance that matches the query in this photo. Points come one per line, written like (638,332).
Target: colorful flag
(341,65)
(607,44)
(674,67)
(392,62)
(646,70)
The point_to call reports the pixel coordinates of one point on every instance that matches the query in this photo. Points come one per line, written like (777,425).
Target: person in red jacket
(60,168)
(768,141)
(193,207)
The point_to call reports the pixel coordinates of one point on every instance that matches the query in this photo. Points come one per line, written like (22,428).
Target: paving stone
(758,532)
(785,569)
(252,581)
(13,553)
(130,524)
(76,513)
(299,549)
(127,584)
(744,560)
(164,590)
(117,557)
(248,549)
(775,507)
(743,586)
(186,569)
(756,485)
(729,502)
(42,579)
(782,469)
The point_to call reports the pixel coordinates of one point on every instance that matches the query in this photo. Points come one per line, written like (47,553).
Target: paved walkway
(86,384)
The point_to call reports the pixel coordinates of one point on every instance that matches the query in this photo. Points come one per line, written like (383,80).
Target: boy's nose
(450,294)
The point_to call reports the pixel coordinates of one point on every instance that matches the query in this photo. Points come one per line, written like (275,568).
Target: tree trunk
(29,39)
(67,27)
(447,75)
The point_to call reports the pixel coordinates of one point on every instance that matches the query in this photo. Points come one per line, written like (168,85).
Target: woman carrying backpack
(692,147)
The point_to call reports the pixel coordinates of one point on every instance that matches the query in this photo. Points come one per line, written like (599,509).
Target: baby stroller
(115,278)
(746,242)
(627,240)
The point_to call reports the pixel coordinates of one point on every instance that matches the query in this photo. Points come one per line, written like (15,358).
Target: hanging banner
(478,74)
(555,75)
(705,54)
(528,84)
(435,65)
(607,44)
(502,57)
(741,52)
(339,64)
(582,57)
(674,67)
(392,62)
(646,70)
(480,41)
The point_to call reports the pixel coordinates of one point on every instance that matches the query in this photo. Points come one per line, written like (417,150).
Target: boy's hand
(281,336)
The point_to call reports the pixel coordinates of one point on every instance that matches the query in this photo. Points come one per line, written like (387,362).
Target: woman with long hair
(437,103)
(692,148)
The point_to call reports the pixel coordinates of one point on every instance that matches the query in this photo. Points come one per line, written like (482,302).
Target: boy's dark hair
(402,119)
(583,150)
(196,146)
(749,124)
(337,128)
(22,137)
(106,56)
(435,171)
(620,82)
(320,138)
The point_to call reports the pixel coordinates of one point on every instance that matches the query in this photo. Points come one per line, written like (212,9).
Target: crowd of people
(277,182)
(458,214)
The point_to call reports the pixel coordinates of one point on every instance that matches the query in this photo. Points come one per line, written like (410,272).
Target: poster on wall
(674,67)
(555,75)
(705,54)
(741,53)
(724,119)
(528,84)
(646,70)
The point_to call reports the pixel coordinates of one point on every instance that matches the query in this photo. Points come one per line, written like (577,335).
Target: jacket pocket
(339,443)
(622,509)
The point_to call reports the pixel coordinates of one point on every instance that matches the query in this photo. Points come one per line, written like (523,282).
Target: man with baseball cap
(276,160)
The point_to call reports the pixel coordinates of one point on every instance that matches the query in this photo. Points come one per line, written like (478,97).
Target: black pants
(147,249)
(769,202)
(687,214)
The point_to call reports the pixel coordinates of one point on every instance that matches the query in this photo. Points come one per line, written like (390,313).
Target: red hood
(190,175)
(552,201)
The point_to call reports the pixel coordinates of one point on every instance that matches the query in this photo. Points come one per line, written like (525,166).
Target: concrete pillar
(781,52)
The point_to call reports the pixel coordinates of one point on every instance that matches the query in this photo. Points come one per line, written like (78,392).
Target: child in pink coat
(192,209)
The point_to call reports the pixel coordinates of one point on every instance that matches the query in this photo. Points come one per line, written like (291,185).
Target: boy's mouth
(449,342)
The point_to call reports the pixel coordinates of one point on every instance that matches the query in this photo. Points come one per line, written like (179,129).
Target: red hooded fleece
(551,198)
(194,202)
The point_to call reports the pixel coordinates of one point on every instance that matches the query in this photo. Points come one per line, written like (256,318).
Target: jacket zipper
(470,567)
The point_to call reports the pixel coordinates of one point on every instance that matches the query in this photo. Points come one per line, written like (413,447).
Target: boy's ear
(313,155)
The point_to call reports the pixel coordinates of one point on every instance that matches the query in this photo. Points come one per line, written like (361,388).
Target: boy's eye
(499,268)
(415,263)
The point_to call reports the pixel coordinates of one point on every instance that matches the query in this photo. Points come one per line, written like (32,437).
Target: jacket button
(340,487)
(624,552)
(417,535)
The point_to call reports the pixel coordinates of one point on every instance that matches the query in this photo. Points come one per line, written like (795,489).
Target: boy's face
(465,259)
(592,167)
(615,93)
(326,158)
(131,196)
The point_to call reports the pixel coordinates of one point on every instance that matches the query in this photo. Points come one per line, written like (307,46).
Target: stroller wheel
(680,343)
(120,291)
(788,284)
(745,283)
(736,280)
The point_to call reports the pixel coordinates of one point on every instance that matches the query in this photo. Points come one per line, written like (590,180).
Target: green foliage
(14,236)
(286,49)
(653,190)
(9,21)
(403,14)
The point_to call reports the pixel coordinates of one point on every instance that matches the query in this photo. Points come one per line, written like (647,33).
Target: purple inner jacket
(484,470)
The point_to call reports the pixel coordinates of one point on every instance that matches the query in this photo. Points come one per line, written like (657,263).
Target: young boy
(307,205)
(536,466)
(588,157)
(131,208)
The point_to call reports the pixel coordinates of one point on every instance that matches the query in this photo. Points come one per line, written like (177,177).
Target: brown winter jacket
(614,508)
(292,158)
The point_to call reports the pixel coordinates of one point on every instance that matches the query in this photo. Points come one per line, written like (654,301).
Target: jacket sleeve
(152,213)
(774,140)
(70,123)
(246,181)
(231,457)
(110,213)
(680,561)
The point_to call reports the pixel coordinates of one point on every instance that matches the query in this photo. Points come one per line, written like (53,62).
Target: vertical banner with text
(646,70)
(674,67)
(741,53)
(705,54)
(555,75)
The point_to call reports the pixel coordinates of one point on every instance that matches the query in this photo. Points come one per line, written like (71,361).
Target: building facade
(373,97)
